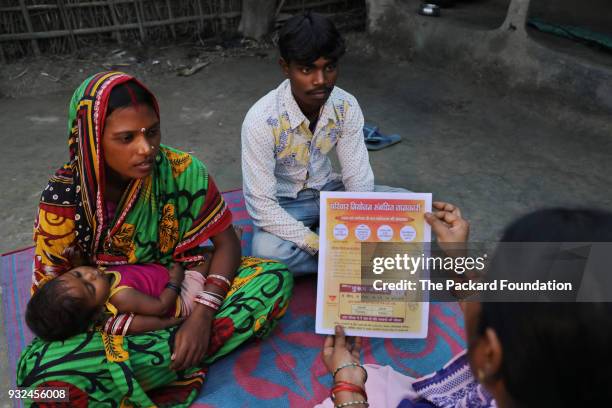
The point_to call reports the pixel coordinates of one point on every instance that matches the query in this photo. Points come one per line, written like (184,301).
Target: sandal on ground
(375,140)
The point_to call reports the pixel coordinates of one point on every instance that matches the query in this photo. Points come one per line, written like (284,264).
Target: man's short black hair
(52,314)
(308,37)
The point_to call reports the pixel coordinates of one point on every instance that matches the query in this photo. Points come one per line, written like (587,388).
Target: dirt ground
(495,153)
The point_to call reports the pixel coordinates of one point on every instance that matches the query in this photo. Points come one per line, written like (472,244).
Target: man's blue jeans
(305,208)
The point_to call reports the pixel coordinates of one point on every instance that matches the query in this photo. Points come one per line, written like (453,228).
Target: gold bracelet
(351,365)
(348,404)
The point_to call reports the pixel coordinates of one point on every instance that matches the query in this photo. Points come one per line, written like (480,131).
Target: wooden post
(516,18)
(110,29)
(223,20)
(67,25)
(113,13)
(171,17)
(257,18)
(140,18)
(201,13)
(281,3)
(26,17)
(2,57)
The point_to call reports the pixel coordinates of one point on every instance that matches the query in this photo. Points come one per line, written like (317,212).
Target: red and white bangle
(118,325)
(347,386)
(218,283)
(210,296)
(207,304)
(209,299)
(219,280)
(217,296)
(127,324)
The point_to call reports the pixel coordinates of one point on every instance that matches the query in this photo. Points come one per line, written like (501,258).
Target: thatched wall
(37,27)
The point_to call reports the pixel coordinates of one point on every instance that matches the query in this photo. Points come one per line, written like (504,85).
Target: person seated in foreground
(530,354)
(126,198)
(287,137)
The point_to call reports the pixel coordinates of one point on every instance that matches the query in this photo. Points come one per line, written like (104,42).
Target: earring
(480,375)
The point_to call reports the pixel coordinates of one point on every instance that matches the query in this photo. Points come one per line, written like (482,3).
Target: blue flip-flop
(375,140)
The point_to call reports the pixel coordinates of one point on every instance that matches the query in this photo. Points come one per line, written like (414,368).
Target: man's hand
(192,338)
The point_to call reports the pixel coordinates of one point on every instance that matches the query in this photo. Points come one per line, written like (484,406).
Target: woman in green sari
(125,198)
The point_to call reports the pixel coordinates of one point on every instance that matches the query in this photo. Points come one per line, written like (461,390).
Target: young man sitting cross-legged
(286,138)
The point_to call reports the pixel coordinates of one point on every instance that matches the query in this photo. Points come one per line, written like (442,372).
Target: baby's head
(68,304)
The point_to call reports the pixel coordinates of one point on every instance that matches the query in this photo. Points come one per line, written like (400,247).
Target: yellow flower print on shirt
(289,148)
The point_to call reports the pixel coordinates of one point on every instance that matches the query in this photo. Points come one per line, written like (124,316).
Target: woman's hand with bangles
(338,351)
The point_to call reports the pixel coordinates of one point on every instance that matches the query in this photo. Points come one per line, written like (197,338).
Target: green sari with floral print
(164,217)
(104,370)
